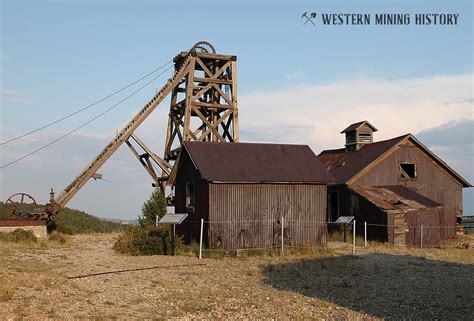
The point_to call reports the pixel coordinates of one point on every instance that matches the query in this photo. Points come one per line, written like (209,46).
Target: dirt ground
(87,279)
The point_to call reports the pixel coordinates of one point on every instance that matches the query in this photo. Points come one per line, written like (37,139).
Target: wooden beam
(212,105)
(209,125)
(235,113)
(226,114)
(215,81)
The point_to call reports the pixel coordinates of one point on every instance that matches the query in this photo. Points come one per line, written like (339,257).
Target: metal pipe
(365,234)
(200,239)
(421,236)
(354,237)
(282,231)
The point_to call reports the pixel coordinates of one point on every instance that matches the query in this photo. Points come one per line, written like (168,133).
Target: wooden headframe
(204,103)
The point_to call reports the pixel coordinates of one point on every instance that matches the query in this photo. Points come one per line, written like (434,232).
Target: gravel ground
(87,279)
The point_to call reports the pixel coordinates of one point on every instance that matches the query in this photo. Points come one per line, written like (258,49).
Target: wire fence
(281,236)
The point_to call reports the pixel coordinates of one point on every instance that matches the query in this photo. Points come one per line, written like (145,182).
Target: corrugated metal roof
(248,162)
(355,126)
(331,156)
(410,194)
(344,165)
(394,197)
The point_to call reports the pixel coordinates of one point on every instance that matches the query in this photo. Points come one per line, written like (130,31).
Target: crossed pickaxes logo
(309,18)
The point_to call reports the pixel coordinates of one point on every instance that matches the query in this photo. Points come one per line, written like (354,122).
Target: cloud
(464,101)
(13,96)
(395,107)
(453,134)
(454,143)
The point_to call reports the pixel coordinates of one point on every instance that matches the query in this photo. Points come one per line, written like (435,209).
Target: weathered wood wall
(190,228)
(431,181)
(429,218)
(244,204)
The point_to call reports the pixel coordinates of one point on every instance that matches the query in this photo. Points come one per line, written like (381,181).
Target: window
(190,195)
(407,170)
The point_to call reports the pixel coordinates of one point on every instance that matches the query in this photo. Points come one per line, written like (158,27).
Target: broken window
(407,170)
(189,194)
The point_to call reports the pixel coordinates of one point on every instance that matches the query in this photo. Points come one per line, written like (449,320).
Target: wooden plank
(189,96)
(209,125)
(214,81)
(223,95)
(235,113)
(204,67)
(223,117)
(212,105)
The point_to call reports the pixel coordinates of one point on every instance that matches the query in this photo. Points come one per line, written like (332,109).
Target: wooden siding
(429,218)
(190,228)
(431,181)
(244,204)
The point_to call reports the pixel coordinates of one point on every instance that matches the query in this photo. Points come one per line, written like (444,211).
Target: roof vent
(358,134)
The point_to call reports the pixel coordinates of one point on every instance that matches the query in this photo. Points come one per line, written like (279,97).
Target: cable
(84,108)
(84,124)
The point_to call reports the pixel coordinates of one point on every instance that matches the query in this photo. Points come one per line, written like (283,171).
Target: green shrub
(18,236)
(154,206)
(149,240)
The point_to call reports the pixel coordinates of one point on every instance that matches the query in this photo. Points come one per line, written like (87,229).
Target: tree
(155,205)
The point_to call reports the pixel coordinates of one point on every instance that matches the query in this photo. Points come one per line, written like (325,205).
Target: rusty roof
(356,126)
(344,165)
(259,163)
(331,156)
(394,197)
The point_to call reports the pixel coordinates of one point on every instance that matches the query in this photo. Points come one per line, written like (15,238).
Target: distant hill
(71,221)
(118,220)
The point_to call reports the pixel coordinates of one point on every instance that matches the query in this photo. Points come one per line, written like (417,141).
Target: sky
(298,83)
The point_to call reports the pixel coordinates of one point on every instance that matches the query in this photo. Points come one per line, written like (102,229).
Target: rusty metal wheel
(203,46)
(20,205)
(21,199)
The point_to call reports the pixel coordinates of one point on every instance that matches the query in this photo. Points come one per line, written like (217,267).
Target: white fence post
(354,237)
(365,234)
(200,238)
(421,236)
(282,231)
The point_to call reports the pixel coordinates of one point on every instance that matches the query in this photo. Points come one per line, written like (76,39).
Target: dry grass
(53,240)
(380,282)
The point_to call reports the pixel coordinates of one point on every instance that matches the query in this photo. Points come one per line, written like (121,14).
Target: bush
(58,237)
(153,207)
(149,240)
(18,236)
